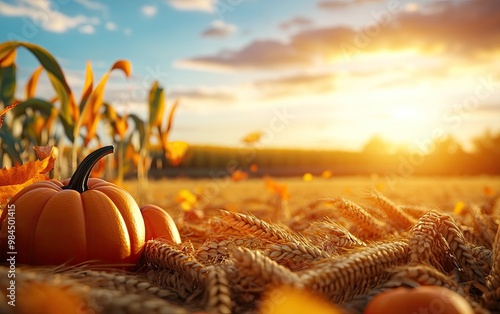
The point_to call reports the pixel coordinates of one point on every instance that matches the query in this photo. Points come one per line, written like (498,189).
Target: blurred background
(395,88)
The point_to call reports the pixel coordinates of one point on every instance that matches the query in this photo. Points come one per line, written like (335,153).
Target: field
(252,194)
(235,257)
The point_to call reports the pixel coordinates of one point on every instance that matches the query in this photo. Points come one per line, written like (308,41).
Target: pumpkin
(159,224)
(78,220)
(423,299)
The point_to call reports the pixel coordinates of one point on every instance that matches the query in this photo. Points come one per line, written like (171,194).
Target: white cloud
(149,10)
(87,29)
(195,5)
(110,26)
(219,29)
(127,31)
(92,5)
(45,14)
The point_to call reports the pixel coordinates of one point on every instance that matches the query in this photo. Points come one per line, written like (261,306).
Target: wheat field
(343,239)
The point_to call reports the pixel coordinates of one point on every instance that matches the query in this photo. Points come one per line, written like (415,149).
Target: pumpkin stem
(80,179)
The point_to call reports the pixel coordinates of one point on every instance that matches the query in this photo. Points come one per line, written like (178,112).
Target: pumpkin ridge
(122,230)
(131,228)
(32,238)
(40,224)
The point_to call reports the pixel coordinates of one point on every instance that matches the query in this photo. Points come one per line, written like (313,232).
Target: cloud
(219,29)
(267,54)
(292,85)
(110,26)
(337,4)
(462,30)
(296,22)
(149,10)
(205,94)
(127,31)
(87,29)
(93,5)
(44,14)
(194,5)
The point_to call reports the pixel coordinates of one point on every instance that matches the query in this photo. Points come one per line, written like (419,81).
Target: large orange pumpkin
(423,299)
(159,224)
(74,221)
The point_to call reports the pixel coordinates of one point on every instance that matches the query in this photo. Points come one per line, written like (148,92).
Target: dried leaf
(14,179)
(5,110)
(176,151)
(32,83)
(8,59)
(123,65)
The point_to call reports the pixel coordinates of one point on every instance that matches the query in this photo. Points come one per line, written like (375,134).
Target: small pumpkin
(78,220)
(422,299)
(159,224)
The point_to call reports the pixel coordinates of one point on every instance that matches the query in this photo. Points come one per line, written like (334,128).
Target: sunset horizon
(315,75)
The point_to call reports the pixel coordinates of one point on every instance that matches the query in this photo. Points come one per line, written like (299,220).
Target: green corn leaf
(10,145)
(56,77)
(140,127)
(35,104)
(7,85)
(156,105)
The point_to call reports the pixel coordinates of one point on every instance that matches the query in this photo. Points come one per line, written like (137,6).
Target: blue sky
(320,74)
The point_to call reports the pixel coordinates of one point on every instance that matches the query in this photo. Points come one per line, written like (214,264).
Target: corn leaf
(90,114)
(7,84)
(32,83)
(87,86)
(170,120)
(8,59)
(68,110)
(141,128)
(35,104)
(156,105)
(10,145)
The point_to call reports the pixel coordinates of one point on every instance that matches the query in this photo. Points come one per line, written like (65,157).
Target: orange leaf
(176,151)
(123,65)
(9,59)
(30,88)
(89,83)
(5,110)
(14,179)
(239,175)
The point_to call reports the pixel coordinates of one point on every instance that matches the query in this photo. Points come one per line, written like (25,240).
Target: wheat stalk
(254,264)
(217,298)
(360,271)
(479,223)
(350,210)
(251,225)
(397,217)
(491,298)
(165,255)
(294,255)
(462,250)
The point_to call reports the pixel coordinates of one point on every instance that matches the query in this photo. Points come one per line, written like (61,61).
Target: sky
(307,74)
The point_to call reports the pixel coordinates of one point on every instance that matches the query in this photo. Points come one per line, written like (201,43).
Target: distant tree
(377,145)
(448,146)
(487,143)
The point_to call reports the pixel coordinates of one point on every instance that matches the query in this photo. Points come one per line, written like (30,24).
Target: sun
(408,113)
